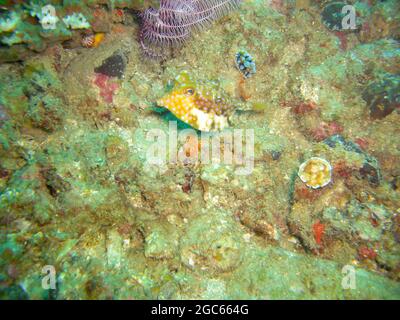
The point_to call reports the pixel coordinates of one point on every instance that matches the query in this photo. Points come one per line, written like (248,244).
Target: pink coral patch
(325,130)
(107,87)
(342,39)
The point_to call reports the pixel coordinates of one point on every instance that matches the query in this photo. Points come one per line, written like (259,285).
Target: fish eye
(189,91)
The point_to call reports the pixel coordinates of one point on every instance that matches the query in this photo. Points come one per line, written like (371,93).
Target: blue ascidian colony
(245,63)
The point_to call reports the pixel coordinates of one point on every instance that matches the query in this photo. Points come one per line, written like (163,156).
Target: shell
(92,40)
(315,172)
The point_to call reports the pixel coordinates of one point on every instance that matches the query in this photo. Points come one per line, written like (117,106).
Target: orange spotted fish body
(201,105)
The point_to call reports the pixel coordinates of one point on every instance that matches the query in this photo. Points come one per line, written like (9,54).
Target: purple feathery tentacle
(174,21)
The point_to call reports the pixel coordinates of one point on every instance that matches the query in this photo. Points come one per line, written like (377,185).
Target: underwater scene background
(199,149)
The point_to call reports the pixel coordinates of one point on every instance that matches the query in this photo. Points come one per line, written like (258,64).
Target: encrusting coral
(76,125)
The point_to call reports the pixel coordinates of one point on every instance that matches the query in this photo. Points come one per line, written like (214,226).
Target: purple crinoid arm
(173,22)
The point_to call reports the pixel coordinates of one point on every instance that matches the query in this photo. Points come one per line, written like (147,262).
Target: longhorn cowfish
(202,105)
